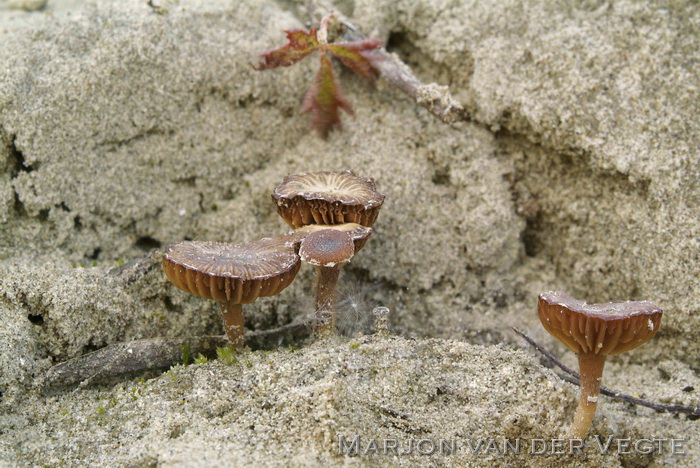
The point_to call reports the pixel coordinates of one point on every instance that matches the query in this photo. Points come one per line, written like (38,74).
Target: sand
(127,127)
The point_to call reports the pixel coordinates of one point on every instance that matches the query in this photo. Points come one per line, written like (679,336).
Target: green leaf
(324,99)
(301,43)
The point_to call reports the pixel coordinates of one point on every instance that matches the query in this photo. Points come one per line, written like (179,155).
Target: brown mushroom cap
(359,234)
(327,198)
(233,273)
(610,328)
(327,248)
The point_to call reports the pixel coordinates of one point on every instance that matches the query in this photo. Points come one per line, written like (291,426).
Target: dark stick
(573,378)
(547,354)
(153,353)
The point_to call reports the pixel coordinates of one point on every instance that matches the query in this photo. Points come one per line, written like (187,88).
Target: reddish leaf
(301,43)
(324,99)
(354,56)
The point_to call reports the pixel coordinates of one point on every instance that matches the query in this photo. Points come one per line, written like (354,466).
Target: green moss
(173,373)
(227,354)
(186,357)
(201,359)
(135,393)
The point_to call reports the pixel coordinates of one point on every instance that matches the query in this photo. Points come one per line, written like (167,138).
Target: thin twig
(574,377)
(660,407)
(547,354)
(154,353)
(436,98)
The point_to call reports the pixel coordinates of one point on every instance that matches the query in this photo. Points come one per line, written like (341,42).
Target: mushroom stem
(326,299)
(591,370)
(234,323)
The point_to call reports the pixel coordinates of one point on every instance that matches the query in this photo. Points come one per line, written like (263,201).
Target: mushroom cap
(327,248)
(610,328)
(327,198)
(358,233)
(232,273)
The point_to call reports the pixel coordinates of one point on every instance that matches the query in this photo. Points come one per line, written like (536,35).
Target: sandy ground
(126,127)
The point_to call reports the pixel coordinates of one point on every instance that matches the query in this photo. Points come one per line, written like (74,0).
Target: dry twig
(573,377)
(436,98)
(154,353)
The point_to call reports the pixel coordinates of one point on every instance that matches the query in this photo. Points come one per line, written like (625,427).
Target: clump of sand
(125,127)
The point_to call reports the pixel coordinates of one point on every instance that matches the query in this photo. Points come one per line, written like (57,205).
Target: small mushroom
(593,331)
(359,234)
(328,250)
(327,198)
(233,274)
(327,281)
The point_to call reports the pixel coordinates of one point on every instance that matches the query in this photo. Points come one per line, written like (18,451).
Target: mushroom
(359,234)
(328,250)
(593,331)
(233,274)
(311,202)
(327,198)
